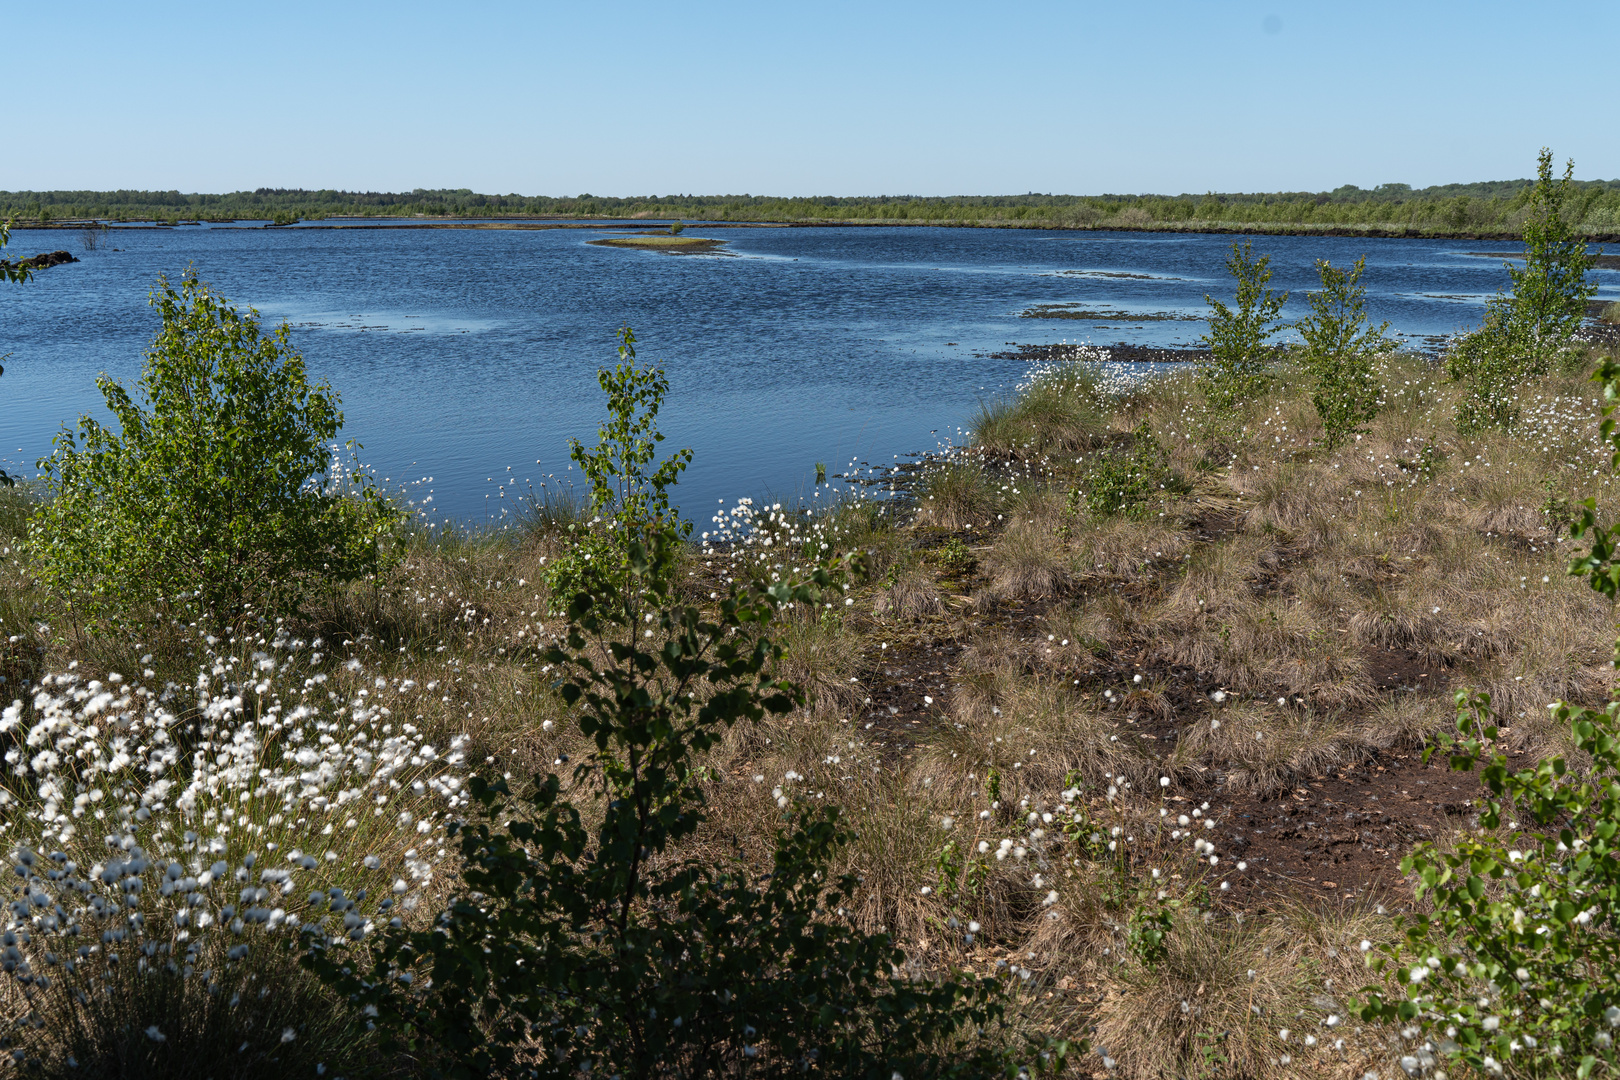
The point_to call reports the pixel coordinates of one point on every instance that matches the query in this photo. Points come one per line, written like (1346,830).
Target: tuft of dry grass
(1027,562)
(1059,412)
(1118,549)
(821,657)
(956,493)
(229,1023)
(1265,748)
(912,596)
(1035,733)
(1209,1008)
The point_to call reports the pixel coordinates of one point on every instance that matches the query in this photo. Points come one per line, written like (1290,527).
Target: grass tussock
(1058,411)
(956,494)
(258,1018)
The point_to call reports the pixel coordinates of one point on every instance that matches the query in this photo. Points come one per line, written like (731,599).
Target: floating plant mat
(1076,311)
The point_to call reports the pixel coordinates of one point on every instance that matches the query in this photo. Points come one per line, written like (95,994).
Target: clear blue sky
(802,99)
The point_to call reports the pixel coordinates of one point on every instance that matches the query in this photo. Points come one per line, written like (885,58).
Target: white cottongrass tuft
(158,819)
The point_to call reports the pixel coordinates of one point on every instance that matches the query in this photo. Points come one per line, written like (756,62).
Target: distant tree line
(1489,207)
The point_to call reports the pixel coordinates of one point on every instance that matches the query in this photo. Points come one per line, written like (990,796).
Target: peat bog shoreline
(574,221)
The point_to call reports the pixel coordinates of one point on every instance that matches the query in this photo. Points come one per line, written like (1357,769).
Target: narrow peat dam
(467,356)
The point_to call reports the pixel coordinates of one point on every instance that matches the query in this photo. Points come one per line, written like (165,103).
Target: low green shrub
(1490,364)
(1340,347)
(220,494)
(1128,483)
(1235,370)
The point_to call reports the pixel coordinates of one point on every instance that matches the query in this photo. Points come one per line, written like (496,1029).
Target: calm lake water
(470,357)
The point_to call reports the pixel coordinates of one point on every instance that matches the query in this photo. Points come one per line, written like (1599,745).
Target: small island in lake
(673,245)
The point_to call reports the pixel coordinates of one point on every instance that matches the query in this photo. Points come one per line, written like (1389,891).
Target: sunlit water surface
(466,359)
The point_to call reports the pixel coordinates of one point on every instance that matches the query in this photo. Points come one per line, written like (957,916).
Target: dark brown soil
(42,261)
(1340,836)
(1404,669)
(1331,837)
(1334,836)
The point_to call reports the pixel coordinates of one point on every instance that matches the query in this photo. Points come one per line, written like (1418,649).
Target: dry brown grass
(1035,733)
(1314,562)
(1118,549)
(1264,748)
(1175,1017)
(1223,1000)
(822,657)
(913,595)
(1027,562)
(957,492)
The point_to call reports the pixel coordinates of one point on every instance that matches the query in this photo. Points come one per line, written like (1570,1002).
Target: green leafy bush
(1128,483)
(626,500)
(1550,292)
(1237,339)
(1517,963)
(606,947)
(1489,362)
(1525,333)
(220,493)
(1340,347)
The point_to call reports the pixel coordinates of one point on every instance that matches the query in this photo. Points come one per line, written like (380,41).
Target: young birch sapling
(1235,370)
(627,501)
(1339,351)
(1525,333)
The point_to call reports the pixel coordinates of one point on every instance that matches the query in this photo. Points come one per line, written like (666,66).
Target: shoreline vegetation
(1127,740)
(1243,640)
(1477,211)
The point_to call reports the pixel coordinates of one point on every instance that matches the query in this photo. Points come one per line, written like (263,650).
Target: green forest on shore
(1488,208)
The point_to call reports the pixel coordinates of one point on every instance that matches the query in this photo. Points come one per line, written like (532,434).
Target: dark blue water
(470,356)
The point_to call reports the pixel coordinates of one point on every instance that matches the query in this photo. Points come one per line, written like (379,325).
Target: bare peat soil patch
(1342,835)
